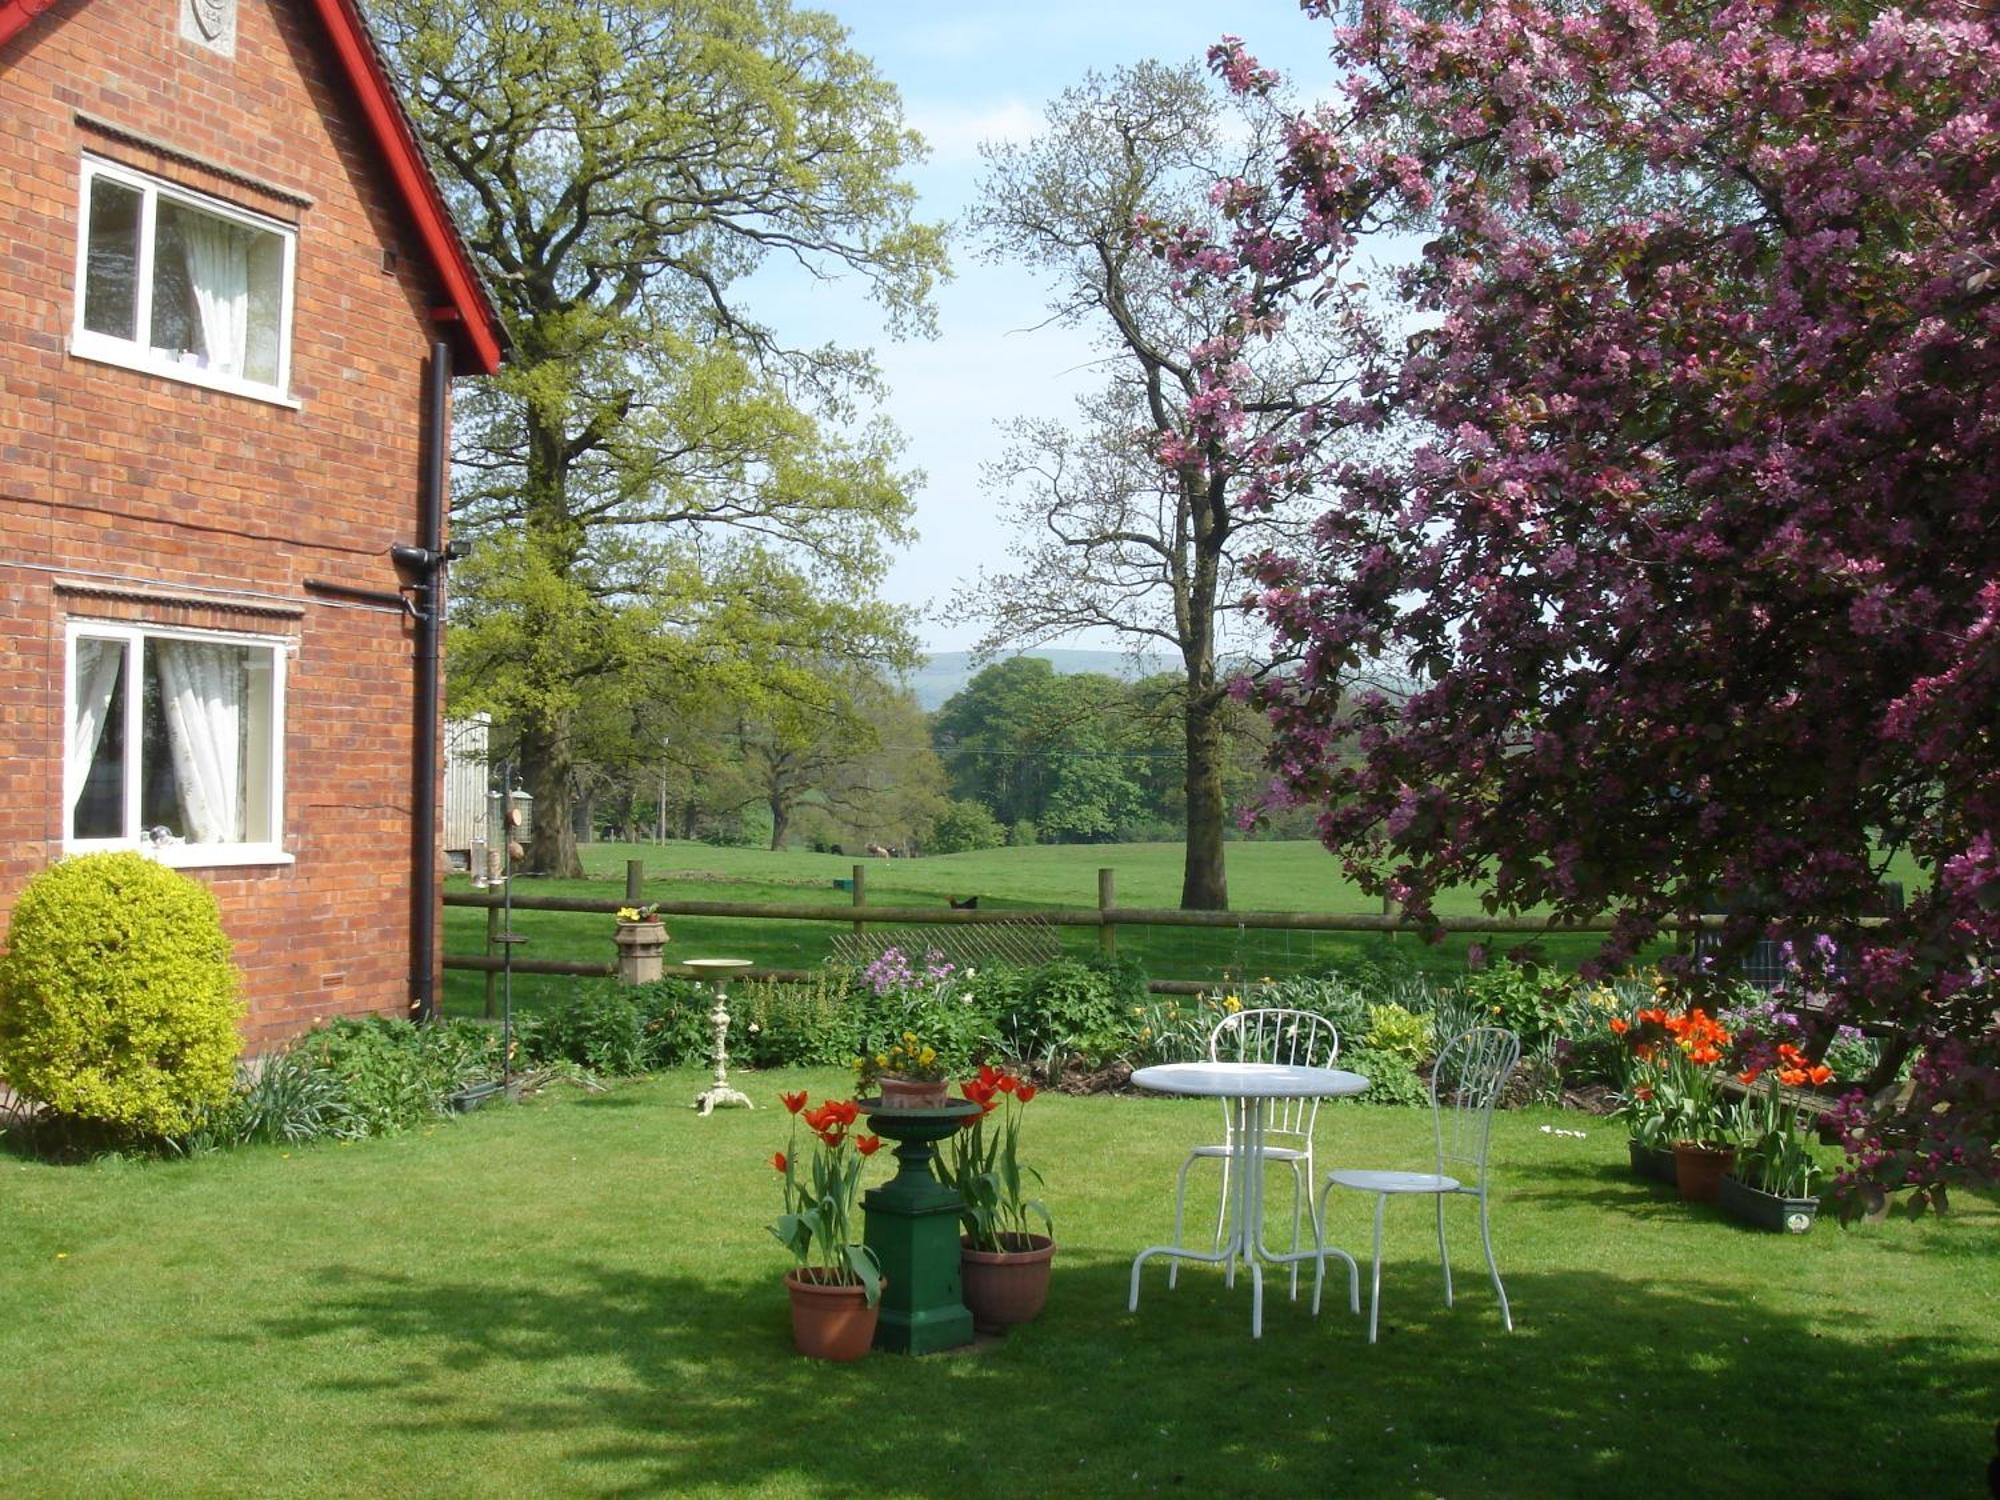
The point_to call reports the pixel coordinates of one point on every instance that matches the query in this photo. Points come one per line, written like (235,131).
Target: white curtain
(97,664)
(202,692)
(218,267)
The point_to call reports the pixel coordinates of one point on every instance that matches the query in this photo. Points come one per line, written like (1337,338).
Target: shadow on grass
(665,1383)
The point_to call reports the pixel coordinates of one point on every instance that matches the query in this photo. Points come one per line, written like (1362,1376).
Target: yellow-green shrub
(118,996)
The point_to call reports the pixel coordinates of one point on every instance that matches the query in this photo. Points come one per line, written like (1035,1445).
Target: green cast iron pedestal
(913,1229)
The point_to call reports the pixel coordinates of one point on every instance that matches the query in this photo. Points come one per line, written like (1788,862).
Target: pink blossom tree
(1690,523)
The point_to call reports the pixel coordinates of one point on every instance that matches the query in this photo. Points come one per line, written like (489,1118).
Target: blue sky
(970,72)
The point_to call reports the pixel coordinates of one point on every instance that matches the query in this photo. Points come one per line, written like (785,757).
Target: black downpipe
(427,560)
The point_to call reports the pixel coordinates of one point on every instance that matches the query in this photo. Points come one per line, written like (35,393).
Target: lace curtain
(97,668)
(218,267)
(202,692)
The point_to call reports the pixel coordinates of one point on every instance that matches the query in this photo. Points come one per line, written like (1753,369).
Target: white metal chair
(1471,1072)
(1294,1037)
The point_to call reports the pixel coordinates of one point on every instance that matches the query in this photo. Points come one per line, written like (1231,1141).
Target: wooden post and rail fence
(1107,917)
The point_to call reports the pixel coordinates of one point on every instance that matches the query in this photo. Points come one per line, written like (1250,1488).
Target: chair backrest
(1273,1035)
(1472,1071)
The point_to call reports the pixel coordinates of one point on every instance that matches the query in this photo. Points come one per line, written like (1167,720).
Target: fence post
(860,897)
(1107,897)
(635,880)
(492,978)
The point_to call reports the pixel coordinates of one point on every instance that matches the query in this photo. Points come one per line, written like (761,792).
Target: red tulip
(868,1145)
(778,1160)
(1008,1083)
(1024,1092)
(794,1102)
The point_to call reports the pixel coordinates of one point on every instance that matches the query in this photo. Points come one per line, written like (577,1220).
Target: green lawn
(1279,876)
(577,1296)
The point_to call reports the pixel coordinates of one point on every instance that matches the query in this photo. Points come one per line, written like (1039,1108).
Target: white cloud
(955,131)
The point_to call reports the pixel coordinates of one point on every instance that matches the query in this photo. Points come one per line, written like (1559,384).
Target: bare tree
(1127,519)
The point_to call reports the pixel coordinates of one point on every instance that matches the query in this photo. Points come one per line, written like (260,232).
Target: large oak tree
(619,168)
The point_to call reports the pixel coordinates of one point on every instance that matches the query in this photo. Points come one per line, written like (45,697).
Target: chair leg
(1444,1256)
(1324,1249)
(1221,1218)
(1486,1236)
(1298,1200)
(1375,1286)
(1180,1203)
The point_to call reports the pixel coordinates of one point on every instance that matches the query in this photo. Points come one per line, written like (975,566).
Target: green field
(578,1297)
(1288,876)
(1263,876)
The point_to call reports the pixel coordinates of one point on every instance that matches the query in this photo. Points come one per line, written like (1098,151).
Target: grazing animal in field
(970,903)
(878,851)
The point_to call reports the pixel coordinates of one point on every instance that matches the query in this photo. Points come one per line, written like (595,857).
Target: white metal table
(1247,1086)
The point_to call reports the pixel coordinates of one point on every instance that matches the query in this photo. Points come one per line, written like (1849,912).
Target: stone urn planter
(1006,1286)
(641,946)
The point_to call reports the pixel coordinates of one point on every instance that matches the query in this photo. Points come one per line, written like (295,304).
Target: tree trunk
(781,822)
(545,759)
(1204,881)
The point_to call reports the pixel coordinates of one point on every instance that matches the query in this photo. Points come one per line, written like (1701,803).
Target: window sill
(202,856)
(192,856)
(129,357)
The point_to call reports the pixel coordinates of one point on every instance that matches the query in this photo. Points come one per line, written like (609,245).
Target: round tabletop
(1250,1080)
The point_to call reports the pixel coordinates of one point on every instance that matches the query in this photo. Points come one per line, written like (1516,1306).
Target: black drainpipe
(427,561)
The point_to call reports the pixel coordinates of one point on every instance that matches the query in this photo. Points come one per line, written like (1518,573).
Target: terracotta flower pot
(831,1320)
(1005,1287)
(1699,1169)
(915,1093)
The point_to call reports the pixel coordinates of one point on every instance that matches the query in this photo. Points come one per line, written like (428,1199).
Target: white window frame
(271,852)
(136,353)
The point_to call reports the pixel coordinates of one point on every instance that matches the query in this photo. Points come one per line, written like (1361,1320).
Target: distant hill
(945,672)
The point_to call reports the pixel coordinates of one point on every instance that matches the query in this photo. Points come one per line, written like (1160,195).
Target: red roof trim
(483,336)
(15,14)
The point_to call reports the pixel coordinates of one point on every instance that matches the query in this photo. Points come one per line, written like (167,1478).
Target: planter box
(1656,1162)
(1764,1210)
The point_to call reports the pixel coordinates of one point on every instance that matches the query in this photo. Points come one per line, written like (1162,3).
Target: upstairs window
(174,745)
(181,285)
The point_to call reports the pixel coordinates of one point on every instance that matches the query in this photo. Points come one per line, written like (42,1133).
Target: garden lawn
(577,1296)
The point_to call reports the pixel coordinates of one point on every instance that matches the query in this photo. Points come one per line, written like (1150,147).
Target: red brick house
(227,281)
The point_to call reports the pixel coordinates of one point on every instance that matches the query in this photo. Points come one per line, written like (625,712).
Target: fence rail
(859,914)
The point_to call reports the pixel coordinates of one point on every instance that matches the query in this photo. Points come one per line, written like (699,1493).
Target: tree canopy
(1695,540)
(619,167)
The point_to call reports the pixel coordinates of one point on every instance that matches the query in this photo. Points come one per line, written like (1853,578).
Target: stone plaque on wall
(210,23)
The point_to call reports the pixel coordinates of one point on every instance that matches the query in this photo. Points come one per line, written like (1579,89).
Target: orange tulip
(1619,1025)
(1821,1074)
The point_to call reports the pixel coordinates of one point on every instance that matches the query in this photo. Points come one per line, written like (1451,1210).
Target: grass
(577,1296)
(1264,876)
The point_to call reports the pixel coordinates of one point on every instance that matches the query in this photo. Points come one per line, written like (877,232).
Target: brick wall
(108,471)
